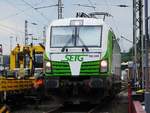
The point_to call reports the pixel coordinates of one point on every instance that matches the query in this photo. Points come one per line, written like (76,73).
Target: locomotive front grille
(60,68)
(87,68)
(90,68)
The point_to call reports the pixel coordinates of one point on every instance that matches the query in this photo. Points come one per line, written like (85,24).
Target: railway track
(94,109)
(81,108)
(124,85)
(56,109)
(50,106)
(118,104)
(70,110)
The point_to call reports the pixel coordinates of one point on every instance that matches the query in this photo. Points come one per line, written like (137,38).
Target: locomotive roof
(85,21)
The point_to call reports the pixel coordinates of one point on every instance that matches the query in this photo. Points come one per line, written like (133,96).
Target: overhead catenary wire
(21,11)
(92,5)
(20,33)
(11,28)
(13,15)
(36,10)
(126,39)
(8,31)
(38,2)
(109,9)
(114,21)
(85,5)
(113,5)
(45,6)
(11,33)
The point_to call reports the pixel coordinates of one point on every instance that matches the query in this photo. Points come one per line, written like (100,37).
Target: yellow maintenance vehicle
(26,62)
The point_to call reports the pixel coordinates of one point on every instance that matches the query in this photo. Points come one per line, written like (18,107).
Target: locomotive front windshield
(76,36)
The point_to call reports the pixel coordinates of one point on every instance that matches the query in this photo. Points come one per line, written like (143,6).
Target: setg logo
(72,58)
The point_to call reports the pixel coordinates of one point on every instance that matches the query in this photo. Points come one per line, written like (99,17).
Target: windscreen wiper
(63,48)
(86,48)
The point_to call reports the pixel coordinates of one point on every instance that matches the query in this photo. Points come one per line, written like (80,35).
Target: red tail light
(38,83)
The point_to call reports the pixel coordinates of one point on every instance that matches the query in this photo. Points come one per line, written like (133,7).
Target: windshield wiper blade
(63,48)
(86,48)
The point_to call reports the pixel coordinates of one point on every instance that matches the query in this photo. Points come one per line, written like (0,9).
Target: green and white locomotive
(82,59)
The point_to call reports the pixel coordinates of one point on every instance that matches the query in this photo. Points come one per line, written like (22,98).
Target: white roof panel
(86,21)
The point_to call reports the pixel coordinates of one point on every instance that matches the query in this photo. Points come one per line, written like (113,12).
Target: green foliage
(125,57)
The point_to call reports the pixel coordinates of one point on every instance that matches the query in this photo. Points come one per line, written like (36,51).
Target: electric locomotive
(82,59)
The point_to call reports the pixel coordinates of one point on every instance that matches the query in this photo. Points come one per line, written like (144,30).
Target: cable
(109,9)
(23,11)
(10,32)
(38,2)
(11,28)
(92,5)
(45,6)
(36,10)
(7,31)
(13,15)
(85,5)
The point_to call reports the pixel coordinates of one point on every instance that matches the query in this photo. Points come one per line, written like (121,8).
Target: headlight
(103,63)
(48,64)
(104,66)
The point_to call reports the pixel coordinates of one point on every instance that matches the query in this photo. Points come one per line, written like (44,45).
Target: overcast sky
(13,13)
